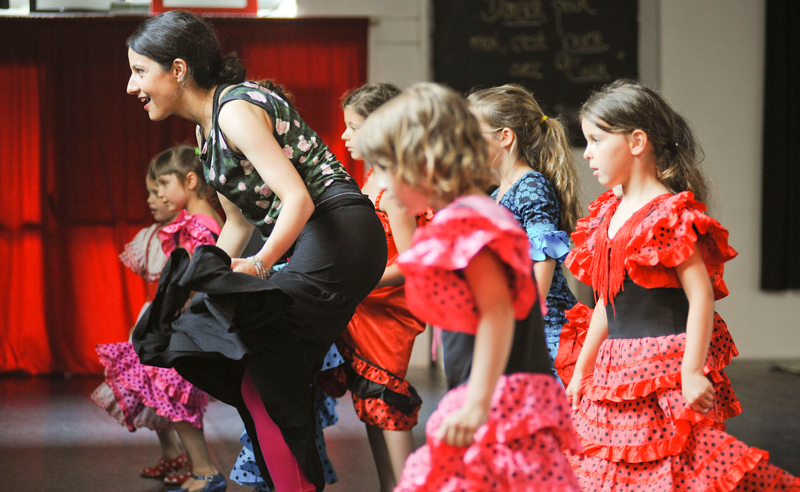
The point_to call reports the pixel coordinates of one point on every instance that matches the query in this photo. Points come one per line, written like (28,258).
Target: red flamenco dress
(377,347)
(637,431)
(519,447)
(138,389)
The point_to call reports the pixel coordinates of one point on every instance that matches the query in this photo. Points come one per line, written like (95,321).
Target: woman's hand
(459,428)
(697,391)
(243,265)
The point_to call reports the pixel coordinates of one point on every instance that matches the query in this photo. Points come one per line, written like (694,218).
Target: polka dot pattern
(519,448)
(374,410)
(435,287)
(136,386)
(709,460)
(664,239)
(637,432)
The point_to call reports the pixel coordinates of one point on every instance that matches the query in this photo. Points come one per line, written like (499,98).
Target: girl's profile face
(172,192)
(411,200)
(608,154)
(154,87)
(158,208)
(352,122)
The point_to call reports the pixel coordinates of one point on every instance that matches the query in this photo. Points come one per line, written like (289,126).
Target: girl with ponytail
(263,349)
(648,387)
(538,184)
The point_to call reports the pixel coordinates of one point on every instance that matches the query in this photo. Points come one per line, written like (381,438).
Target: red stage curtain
(74,148)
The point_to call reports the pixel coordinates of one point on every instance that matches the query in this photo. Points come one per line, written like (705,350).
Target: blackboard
(561,50)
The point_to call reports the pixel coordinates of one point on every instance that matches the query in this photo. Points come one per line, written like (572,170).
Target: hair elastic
(542,119)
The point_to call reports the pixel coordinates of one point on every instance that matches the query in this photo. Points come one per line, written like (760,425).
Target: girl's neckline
(635,213)
(513,185)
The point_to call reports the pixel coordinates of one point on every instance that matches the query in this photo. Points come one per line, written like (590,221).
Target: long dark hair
(625,105)
(180,34)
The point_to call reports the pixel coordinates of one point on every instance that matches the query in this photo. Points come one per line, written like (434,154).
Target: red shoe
(178,478)
(164,467)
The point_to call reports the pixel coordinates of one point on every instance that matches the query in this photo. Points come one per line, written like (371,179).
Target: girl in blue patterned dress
(272,172)
(538,184)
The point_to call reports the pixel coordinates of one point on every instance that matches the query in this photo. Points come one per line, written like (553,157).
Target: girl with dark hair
(274,173)
(378,341)
(649,391)
(155,397)
(538,184)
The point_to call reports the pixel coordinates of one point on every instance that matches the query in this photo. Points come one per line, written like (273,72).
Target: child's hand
(574,391)
(698,392)
(243,265)
(459,428)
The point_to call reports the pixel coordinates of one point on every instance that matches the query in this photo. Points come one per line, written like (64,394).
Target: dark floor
(52,438)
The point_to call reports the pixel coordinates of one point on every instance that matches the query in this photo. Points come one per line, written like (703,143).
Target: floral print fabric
(235,177)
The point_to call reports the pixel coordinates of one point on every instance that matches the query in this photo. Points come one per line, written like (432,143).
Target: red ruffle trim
(653,363)
(724,466)
(445,247)
(573,333)
(425,217)
(650,257)
(681,427)
(650,263)
(374,411)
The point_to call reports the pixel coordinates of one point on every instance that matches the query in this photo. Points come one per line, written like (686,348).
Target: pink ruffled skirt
(145,396)
(519,448)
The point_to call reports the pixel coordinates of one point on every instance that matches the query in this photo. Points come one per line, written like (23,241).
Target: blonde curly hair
(428,139)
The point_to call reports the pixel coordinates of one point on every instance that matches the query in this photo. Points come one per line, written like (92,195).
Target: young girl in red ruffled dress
(156,397)
(469,272)
(649,392)
(378,340)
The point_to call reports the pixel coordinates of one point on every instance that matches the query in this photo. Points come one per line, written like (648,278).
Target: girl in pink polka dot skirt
(648,388)
(145,396)
(503,425)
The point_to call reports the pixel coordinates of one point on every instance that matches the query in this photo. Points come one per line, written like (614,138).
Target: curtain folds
(780,234)
(74,149)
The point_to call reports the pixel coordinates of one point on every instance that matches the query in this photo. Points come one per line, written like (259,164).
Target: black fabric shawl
(227,318)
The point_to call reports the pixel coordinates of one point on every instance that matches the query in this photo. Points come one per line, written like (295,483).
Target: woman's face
(352,122)
(154,87)
(159,209)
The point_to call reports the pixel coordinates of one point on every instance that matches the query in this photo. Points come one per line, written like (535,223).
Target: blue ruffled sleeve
(535,205)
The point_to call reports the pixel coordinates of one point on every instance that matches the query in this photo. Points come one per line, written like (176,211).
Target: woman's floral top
(235,177)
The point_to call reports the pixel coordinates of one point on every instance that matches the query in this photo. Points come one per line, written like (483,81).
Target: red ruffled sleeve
(663,240)
(188,232)
(436,290)
(579,260)
(668,236)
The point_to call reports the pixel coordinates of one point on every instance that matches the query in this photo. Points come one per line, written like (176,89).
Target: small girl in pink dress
(504,424)
(154,397)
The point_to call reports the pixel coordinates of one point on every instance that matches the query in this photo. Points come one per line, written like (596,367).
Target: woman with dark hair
(274,173)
